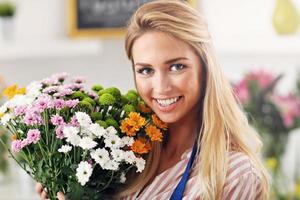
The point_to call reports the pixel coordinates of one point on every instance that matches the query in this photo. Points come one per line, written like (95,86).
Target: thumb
(61,196)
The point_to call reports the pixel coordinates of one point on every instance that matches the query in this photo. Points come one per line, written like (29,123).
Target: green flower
(111,90)
(90,100)
(107,99)
(132,98)
(96,116)
(112,122)
(102,123)
(97,88)
(78,95)
(129,108)
(124,100)
(85,105)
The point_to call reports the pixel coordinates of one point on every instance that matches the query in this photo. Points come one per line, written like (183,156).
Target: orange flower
(158,122)
(136,120)
(140,146)
(127,128)
(154,133)
(144,108)
(14,137)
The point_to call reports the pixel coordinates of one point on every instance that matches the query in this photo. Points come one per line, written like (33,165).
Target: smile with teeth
(167,102)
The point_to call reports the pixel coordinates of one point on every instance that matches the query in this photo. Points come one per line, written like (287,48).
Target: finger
(44,195)
(38,188)
(61,196)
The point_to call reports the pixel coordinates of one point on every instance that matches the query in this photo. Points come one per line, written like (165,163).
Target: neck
(182,136)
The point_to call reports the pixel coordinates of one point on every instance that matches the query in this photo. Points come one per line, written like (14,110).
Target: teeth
(167,102)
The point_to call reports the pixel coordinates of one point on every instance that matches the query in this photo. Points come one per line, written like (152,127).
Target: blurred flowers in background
(274,116)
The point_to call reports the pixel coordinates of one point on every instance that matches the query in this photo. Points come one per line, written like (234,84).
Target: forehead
(159,46)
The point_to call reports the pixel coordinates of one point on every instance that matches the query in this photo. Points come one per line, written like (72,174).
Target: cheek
(143,89)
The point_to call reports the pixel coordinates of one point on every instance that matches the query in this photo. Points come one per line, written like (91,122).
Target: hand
(43,192)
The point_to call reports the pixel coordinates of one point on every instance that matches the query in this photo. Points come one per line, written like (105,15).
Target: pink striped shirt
(242,181)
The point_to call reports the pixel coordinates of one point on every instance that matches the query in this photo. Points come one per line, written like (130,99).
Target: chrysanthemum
(158,122)
(143,108)
(127,128)
(87,143)
(65,149)
(83,172)
(100,156)
(136,120)
(140,164)
(140,146)
(154,133)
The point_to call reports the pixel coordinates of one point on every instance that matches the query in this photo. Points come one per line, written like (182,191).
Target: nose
(162,84)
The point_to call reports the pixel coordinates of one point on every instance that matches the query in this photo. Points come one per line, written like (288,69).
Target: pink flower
(78,79)
(20,110)
(59,132)
(59,104)
(72,103)
(74,121)
(16,145)
(43,103)
(33,118)
(242,92)
(50,81)
(60,77)
(289,107)
(263,78)
(93,94)
(57,120)
(33,136)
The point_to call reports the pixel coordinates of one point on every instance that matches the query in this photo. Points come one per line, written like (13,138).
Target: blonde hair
(224,126)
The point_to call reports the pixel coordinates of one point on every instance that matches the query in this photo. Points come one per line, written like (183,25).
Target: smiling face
(168,76)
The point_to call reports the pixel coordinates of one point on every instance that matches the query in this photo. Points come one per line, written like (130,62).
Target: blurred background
(257,43)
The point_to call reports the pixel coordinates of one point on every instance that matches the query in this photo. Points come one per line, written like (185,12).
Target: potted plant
(7,12)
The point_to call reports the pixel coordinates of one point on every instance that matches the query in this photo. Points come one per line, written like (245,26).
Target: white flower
(113,141)
(110,131)
(117,154)
(129,157)
(122,177)
(87,143)
(127,141)
(83,172)
(140,164)
(97,130)
(33,90)
(3,108)
(83,119)
(71,134)
(6,118)
(65,149)
(19,100)
(111,165)
(101,156)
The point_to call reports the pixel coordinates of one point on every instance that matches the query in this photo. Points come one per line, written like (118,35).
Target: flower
(97,130)
(83,172)
(57,120)
(65,149)
(6,118)
(101,156)
(16,145)
(127,141)
(263,78)
(242,91)
(87,143)
(140,164)
(117,155)
(13,90)
(122,178)
(154,133)
(71,133)
(59,132)
(158,122)
(111,165)
(33,136)
(83,119)
(144,108)
(140,146)
(113,141)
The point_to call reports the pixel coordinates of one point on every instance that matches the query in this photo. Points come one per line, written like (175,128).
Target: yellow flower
(1,115)
(136,120)
(11,91)
(154,133)
(158,122)
(271,163)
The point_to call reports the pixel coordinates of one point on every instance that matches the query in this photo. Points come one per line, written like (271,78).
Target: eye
(145,71)
(177,67)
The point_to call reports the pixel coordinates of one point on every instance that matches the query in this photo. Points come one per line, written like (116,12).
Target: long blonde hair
(224,126)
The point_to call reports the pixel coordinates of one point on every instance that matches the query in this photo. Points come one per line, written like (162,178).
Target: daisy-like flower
(65,149)
(83,172)
(158,122)
(129,157)
(140,164)
(127,141)
(71,133)
(111,131)
(113,141)
(16,145)
(140,146)
(34,89)
(83,119)
(33,136)
(111,165)
(117,154)
(87,143)
(97,130)
(101,156)
(57,120)
(6,118)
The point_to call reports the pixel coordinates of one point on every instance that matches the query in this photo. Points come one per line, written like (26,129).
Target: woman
(177,75)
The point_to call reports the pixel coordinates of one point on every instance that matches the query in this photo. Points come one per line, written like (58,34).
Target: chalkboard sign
(101,18)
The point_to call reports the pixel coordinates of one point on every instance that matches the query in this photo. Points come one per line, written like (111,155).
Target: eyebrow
(166,62)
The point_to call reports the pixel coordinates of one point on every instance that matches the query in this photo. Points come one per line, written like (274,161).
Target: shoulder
(242,179)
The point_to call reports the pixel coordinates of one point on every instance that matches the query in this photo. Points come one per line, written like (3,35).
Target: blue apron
(179,190)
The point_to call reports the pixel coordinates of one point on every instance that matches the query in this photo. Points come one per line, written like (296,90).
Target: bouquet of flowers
(273,114)
(80,142)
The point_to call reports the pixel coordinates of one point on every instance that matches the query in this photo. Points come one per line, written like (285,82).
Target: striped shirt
(242,181)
